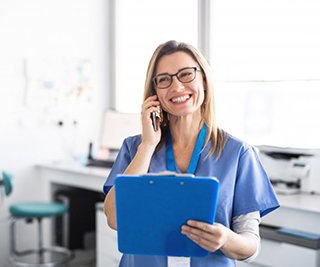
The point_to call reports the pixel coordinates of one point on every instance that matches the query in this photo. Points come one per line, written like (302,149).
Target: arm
(141,161)
(217,236)
(241,244)
(138,165)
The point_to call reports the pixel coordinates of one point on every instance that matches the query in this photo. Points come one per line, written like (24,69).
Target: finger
(148,111)
(205,244)
(150,99)
(196,232)
(201,225)
(146,116)
(146,105)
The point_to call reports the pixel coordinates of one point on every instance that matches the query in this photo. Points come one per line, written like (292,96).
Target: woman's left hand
(211,237)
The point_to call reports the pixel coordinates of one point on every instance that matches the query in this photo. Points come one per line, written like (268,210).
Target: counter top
(304,202)
(74,174)
(301,201)
(299,212)
(75,167)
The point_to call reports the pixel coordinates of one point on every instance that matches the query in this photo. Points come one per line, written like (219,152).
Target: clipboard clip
(169,174)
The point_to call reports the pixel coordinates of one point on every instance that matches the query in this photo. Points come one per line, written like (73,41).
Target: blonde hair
(216,135)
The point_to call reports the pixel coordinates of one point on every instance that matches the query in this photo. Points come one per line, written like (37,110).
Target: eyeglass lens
(185,76)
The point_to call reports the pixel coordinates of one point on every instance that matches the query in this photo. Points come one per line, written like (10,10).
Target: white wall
(54,31)
(265,61)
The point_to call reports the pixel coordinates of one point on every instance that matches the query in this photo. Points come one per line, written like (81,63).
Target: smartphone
(154,120)
(156,115)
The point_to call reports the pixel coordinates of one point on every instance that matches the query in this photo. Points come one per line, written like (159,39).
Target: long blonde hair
(216,135)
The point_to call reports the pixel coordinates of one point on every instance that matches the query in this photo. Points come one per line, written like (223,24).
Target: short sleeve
(121,163)
(253,190)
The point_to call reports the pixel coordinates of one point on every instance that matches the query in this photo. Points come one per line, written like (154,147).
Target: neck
(185,129)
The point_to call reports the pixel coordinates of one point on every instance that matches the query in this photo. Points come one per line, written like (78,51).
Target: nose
(176,84)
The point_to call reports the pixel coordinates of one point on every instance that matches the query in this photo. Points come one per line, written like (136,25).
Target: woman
(189,141)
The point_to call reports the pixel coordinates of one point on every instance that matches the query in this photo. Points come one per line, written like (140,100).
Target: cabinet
(107,253)
(279,254)
(291,234)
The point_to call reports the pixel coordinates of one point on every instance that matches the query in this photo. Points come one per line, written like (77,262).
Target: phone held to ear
(154,120)
(154,116)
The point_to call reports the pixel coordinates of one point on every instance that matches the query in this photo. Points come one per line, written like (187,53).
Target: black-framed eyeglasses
(185,75)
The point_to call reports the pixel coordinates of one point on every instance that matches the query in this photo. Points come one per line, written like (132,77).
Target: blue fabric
(244,188)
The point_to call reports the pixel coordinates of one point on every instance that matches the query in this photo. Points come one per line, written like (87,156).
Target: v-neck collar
(171,164)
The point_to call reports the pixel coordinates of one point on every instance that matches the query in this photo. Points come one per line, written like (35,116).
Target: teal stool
(30,211)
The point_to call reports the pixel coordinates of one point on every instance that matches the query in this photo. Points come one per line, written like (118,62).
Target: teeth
(180,99)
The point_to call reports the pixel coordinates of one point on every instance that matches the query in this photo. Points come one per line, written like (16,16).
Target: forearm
(240,246)
(139,165)
(216,236)
(110,210)
(141,161)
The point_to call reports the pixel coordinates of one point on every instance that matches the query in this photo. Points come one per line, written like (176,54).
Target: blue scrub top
(244,187)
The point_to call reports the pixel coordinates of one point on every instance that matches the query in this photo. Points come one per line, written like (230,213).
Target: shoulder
(132,142)
(128,150)
(237,146)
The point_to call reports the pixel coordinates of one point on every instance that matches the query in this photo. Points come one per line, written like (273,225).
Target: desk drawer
(279,254)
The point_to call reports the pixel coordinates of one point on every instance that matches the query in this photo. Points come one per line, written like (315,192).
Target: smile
(180,99)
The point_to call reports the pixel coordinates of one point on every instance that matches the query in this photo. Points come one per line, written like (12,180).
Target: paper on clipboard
(152,208)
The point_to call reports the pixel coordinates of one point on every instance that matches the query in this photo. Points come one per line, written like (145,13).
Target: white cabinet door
(107,246)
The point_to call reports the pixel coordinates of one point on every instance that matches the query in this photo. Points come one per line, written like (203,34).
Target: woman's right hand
(149,135)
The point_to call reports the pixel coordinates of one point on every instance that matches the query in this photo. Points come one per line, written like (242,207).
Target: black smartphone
(156,115)
(154,120)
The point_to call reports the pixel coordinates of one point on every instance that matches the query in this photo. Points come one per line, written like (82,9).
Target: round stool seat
(37,209)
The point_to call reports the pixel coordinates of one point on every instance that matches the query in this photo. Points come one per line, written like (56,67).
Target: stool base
(40,257)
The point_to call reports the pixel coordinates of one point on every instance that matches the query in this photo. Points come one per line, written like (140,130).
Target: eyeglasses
(185,75)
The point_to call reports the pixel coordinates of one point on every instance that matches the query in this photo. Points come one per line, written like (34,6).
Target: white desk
(91,178)
(72,174)
(299,212)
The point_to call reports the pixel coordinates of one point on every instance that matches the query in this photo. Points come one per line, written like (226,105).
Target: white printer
(290,236)
(292,170)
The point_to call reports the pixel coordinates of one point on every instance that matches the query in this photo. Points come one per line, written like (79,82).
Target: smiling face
(180,99)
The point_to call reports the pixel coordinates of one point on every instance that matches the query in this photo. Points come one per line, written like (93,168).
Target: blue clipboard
(151,209)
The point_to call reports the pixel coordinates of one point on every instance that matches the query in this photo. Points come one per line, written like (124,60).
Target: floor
(83,258)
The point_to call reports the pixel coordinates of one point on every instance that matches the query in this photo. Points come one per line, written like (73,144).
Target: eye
(163,79)
(186,74)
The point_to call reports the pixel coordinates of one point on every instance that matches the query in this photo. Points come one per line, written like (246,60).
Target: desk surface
(75,168)
(305,202)
(73,174)
(300,211)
